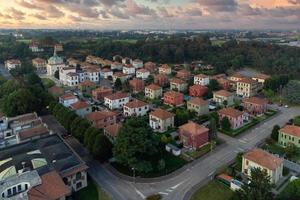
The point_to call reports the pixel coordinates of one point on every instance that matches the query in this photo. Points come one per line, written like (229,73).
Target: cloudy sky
(150,14)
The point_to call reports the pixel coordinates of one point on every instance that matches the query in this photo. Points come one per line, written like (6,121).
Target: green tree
(225,124)
(238,161)
(213,131)
(118,84)
(181,117)
(258,188)
(291,191)
(161,165)
(291,92)
(91,139)
(102,148)
(291,150)
(135,145)
(275,132)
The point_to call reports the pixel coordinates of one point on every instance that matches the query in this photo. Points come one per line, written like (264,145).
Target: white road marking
(242,141)
(176,186)
(211,173)
(169,190)
(163,193)
(139,193)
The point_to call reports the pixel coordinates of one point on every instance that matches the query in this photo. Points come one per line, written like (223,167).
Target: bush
(154,197)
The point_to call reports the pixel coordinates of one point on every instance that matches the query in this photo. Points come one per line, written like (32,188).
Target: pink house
(193,135)
(235,117)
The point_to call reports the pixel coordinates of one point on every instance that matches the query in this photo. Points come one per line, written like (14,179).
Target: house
(173,98)
(102,119)
(289,134)
(128,69)
(192,135)
(137,85)
(235,117)
(116,100)
(35,47)
(91,74)
(137,63)
(119,75)
(247,87)
(201,79)
(165,69)
(255,105)
(58,47)
(116,66)
(12,64)
(135,108)
(87,86)
(197,90)
(178,85)
(153,91)
(73,62)
(81,108)
(161,120)
(111,131)
(258,158)
(161,80)
(99,93)
(223,97)
(40,65)
(261,78)
(142,73)
(183,74)
(32,133)
(198,105)
(42,168)
(106,72)
(150,66)
(55,63)
(236,77)
(223,82)
(68,76)
(68,99)
(126,61)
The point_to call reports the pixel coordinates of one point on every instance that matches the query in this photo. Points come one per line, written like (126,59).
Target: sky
(150,14)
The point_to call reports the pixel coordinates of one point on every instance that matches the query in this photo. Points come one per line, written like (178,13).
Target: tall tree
(213,131)
(258,188)
(275,132)
(225,124)
(102,148)
(135,145)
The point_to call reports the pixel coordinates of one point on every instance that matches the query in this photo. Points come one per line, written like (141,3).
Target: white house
(116,100)
(116,66)
(12,64)
(135,108)
(258,158)
(126,61)
(68,99)
(137,63)
(142,73)
(63,74)
(106,72)
(128,70)
(72,79)
(201,79)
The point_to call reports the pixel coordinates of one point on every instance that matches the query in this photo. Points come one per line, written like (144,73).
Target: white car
(286,106)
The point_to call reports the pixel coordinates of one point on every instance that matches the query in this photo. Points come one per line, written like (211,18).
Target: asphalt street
(179,186)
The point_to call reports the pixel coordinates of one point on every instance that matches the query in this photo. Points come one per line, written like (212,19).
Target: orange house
(173,98)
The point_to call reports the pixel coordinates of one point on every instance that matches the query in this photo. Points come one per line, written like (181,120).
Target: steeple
(54,54)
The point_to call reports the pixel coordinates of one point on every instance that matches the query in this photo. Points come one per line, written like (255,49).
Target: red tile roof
(201,76)
(34,131)
(193,128)
(230,112)
(87,83)
(142,70)
(261,76)
(263,158)
(118,95)
(95,116)
(247,80)
(255,100)
(113,129)
(198,101)
(52,187)
(153,87)
(135,104)
(177,81)
(162,114)
(223,93)
(79,105)
(291,130)
(173,93)
(68,96)
(56,90)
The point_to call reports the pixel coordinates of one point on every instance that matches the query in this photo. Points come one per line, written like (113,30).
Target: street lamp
(133,169)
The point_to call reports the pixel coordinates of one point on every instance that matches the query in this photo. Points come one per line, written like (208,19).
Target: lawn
(91,192)
(128,41)
(172,163)
(48,83)
(214,190)
(200,152)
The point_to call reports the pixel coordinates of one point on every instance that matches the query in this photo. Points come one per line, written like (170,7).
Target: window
(78,185)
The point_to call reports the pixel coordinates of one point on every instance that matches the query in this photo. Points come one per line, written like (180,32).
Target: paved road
(178,187)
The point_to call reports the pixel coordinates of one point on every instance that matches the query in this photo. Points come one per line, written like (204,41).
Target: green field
(27,41)
(214,190)
(128,41)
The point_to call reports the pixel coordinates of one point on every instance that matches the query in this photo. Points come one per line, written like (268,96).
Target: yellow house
(247,87)
(153,91)
(258,158)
